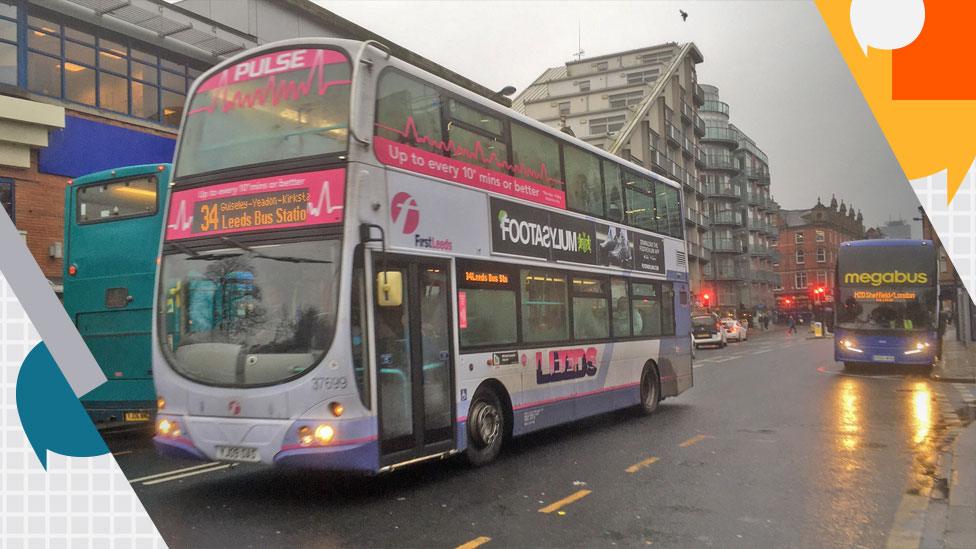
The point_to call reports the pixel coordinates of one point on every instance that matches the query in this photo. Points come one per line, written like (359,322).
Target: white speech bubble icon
(887,24)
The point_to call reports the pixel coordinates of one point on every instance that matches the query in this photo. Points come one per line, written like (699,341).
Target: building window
(655,58)
(798,237)
(800,259)
(800,280)
(643,77)
(609,124)
(601,66)
(622,100)
(71,63)
(584,85)
(7,196)
(821,255)
(820,236)
(8,43)
(564,108)
(821,278)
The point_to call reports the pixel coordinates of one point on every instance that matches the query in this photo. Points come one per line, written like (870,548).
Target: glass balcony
(699,126)
(771,229)
(688,147)
(673,134)
(754,224)
(720,162)
(721,191)
(759,251)
(698,94)
(687,113)
(726,245)
(716,106)
(699,157)
(724,272)
(697,218)
(725,136)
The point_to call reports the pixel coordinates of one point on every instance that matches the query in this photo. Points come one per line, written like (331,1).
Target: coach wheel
(486,427)
(650,390)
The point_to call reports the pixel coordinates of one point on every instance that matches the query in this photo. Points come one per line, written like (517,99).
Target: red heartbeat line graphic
(410,131)
(287,90)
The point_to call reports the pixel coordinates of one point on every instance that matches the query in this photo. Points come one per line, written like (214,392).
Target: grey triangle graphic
(46,312)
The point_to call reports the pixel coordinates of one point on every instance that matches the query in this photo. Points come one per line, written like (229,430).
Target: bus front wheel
(486,427)
(650,390)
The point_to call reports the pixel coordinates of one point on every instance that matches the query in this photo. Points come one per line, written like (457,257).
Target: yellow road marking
(693,440)
(565,501)
(640,465)
(476,542)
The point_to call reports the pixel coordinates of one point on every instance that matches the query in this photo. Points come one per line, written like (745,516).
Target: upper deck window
(116,200)
(273,107)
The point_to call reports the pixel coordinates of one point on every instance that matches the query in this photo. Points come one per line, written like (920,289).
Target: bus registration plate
(237,453)
(883,358)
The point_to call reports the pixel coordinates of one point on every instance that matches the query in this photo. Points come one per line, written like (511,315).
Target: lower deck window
(487,317)
(544,306)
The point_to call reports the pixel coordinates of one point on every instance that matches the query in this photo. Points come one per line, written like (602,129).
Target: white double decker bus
(365,266)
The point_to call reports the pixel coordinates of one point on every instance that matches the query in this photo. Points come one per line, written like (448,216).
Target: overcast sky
(774,62)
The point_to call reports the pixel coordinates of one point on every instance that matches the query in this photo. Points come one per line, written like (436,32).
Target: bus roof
(116,173)
(886,243)
(356,45)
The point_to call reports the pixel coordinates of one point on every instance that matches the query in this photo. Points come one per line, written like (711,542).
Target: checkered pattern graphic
(955,223)
(77,502)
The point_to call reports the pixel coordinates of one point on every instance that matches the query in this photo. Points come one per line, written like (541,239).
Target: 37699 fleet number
(336,383)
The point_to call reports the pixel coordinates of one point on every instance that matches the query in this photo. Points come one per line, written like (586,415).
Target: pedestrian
(765,322)
(790,325)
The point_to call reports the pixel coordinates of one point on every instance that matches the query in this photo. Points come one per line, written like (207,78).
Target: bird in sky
(684,15)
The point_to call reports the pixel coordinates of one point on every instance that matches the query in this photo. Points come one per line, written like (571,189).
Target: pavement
(774,446)
(958,362)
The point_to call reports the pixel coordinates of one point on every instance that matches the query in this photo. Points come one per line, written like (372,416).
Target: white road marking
(761,351)
(173,472)
(189,474)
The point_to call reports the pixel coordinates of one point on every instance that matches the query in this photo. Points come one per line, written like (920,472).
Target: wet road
(774,446)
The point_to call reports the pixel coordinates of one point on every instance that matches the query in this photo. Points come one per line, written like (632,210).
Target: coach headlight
(850,345)
(919,347)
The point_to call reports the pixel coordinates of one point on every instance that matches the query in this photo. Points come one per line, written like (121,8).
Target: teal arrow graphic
(52,416)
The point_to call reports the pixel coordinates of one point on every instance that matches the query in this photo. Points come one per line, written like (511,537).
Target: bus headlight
(324,434)
(168,428)
(850,345)
(305,435)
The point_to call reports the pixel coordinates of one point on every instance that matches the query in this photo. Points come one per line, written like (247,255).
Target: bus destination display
(257,211)
(293,200)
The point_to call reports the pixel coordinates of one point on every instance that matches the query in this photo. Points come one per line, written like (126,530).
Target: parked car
(707,330)
(735,330)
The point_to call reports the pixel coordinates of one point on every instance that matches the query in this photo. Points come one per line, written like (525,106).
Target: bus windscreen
(886,288)
(278,106)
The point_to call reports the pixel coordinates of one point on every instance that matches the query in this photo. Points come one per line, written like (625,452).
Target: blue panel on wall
(86,146)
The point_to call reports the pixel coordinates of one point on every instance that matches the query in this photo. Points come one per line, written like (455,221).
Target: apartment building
(641,105)
(740,209)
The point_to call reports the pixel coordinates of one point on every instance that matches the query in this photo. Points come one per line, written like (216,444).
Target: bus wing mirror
(389,289)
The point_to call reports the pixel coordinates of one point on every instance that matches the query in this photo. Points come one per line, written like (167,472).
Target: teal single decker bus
(112,224)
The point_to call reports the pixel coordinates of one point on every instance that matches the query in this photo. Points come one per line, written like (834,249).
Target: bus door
(415,368)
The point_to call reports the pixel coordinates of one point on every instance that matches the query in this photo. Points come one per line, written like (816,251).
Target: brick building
(808,244)
(88,85)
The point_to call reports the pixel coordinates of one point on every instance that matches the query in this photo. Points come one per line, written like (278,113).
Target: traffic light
(706,299)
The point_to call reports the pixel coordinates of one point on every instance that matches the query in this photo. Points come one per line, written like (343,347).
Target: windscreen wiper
(285,258)
(197,256)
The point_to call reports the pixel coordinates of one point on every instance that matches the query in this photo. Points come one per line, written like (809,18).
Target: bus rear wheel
(650,390)
(486,427)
